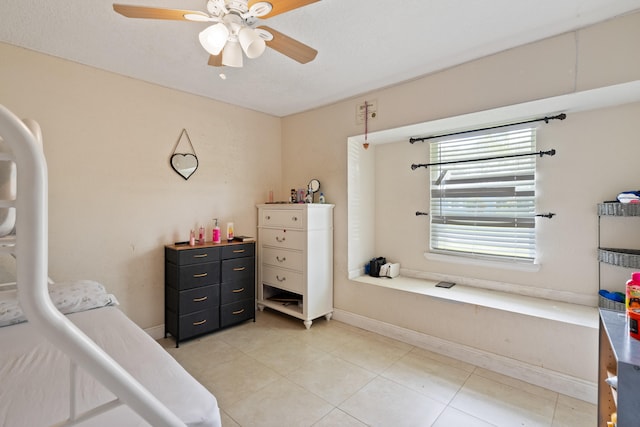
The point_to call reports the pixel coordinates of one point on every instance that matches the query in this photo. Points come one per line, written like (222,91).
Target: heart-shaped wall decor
(184,164)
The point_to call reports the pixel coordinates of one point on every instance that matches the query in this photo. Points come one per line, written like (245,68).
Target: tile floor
(275,373)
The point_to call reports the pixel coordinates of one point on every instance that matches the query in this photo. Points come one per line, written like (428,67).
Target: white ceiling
(363,44)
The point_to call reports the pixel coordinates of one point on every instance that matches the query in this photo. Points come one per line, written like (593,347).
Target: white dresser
(295,259)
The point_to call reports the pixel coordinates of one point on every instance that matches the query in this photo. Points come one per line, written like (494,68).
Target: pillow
(68,297)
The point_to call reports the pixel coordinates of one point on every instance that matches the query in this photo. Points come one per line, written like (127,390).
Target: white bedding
(34,376)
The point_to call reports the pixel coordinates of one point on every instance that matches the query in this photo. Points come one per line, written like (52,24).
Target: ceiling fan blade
(282,6)
(156,13)
(215,60)
(290,47)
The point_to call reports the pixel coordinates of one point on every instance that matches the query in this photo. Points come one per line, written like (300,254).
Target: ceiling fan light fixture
(214,38)
(232,54)
(252,44)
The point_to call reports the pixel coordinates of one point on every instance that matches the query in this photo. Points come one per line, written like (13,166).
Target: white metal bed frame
(30,247)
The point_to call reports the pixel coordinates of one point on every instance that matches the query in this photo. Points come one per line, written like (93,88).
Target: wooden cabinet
(208,287)
(295,259)
(619,356)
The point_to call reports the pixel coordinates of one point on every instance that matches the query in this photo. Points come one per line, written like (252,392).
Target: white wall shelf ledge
(559,311)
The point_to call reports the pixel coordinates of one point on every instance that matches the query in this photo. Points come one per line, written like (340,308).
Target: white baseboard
(552,380)
(156,332)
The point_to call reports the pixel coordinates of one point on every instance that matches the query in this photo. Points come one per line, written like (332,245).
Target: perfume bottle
(201,235)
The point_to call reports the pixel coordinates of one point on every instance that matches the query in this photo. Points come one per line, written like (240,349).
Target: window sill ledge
(558,311)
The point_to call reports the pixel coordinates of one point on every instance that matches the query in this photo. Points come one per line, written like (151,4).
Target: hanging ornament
(366,124)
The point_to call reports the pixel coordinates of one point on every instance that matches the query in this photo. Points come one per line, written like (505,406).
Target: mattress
(34,376)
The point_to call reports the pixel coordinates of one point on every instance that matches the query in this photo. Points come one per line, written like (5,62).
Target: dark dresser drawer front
(195,275)
(198,299)
(238,269)
(237,312)
(237,251)
(199,322)
(237,291)
(194,255)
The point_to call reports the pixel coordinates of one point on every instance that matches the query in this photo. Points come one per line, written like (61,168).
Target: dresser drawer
(238,269)
(281,278)
(237,291)
(193,255)
(191,300)
(237,251)
(287,218)
(199,322)
(282,238)
(237,312)
(192,276)
(282,258)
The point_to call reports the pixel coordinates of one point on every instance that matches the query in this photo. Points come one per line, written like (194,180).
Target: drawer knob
(238,251)
(202,322)
(295,218)
(200,256)
(237,291)
(280,239)
(238,312)
(200,275)
(268,217)
(200,299)
(281,279)
(283,259)
(239,269)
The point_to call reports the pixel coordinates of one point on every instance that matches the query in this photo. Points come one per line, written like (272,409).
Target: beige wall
(114,201)
(597,153)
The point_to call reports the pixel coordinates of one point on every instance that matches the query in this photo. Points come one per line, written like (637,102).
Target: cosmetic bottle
(321,198)
(192,238)
(201,235)
(216,232)
(229,231)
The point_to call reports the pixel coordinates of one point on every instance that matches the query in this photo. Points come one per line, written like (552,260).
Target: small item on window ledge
(390,270)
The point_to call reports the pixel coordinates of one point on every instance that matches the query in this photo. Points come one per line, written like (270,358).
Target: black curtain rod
(551,152)
(561,116)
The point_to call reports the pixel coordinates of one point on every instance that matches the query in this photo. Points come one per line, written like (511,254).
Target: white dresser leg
(260,307)
(307,323)
(328,316)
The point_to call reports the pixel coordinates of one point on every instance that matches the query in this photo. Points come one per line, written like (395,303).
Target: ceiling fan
(234,28)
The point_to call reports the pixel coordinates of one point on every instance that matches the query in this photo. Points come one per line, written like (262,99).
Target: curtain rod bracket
(547,215)
(418,213)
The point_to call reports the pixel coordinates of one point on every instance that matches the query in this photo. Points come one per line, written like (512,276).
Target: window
(484,208)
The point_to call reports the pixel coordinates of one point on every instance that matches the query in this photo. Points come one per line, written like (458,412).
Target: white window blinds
(484,208)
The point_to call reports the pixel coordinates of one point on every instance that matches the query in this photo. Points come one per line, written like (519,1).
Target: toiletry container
(216,232)
(321,199)
(632,300)
(229,231)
